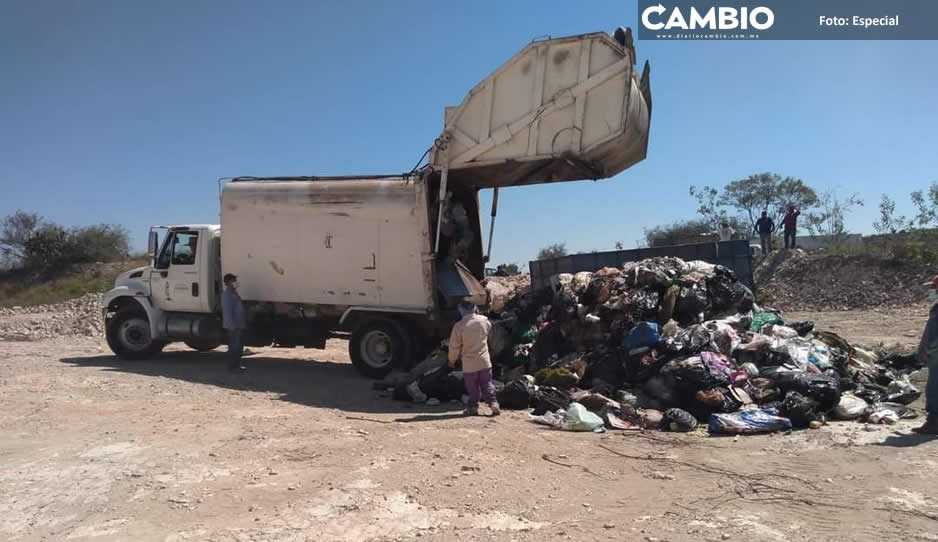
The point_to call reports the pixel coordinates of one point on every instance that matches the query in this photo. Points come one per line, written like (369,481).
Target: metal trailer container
(344,243)
(734,255)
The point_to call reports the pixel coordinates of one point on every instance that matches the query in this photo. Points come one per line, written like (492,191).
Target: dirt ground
(300,448)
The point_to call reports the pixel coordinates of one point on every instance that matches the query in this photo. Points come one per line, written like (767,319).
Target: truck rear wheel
(379,345)
(128,336)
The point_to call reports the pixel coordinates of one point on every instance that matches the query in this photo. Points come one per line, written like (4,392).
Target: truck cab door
(174,281)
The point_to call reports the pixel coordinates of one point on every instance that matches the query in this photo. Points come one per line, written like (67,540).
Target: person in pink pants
(470,341)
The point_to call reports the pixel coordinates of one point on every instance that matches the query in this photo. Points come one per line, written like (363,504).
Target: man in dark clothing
(765,227)
(791,225)
(928,353)
(233,320)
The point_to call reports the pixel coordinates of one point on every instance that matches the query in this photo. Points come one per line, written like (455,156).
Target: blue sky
(128,112)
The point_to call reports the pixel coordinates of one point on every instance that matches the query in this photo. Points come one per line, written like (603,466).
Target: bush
(507,270)
(51,247)
(556,250)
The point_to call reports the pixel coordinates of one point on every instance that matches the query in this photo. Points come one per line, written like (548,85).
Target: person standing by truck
(765,227)
(470,341)
(232,311)
(790,222)
(928,353)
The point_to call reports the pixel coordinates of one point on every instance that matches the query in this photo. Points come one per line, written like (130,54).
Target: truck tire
(128,336)
(202,345)
(379,345)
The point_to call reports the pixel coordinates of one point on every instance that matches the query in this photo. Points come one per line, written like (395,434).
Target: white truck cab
(387,258)
(149,306)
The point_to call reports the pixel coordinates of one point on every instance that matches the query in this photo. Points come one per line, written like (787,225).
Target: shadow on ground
(323,384)
(906,440)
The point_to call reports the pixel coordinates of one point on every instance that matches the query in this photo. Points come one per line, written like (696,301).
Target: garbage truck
(385,259)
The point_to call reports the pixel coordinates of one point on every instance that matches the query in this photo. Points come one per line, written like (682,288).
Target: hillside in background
(19,288)
(793,280)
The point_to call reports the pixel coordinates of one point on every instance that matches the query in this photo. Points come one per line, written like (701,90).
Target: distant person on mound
(928,353)
(765,227)
(791,225)
(726,232)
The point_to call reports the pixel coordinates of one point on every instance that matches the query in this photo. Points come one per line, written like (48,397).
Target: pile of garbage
(669,344)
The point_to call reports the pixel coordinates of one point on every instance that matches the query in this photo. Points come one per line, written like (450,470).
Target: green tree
(99,243)
(888,221)
(767,192)
(47,248)
(552,251)
(829,215)
(926,203)
(507,270)
(709,205)
(15,230)
(671,234)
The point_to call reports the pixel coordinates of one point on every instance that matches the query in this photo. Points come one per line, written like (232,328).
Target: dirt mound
(796,281)
(75,317)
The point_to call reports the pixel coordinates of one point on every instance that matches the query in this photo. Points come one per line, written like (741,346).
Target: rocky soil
(76,317)
(795,281)
(299,448)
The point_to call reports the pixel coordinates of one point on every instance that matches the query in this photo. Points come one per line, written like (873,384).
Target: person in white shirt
(726,232)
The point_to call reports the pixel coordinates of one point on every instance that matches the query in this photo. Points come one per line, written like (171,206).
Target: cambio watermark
(715,18)
(788,19)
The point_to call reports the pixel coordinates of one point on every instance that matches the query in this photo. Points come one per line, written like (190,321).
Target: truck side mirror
(153,243)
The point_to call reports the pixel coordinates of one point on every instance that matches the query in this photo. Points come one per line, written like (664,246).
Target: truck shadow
(323,384)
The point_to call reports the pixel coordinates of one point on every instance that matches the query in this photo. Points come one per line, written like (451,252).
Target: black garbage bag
(801,410)
(692,374)
(821,388)
(550,341)
(642,365)
(454,386)
(602,364)
(763,391)
(902,391)
(901,361)
(516,395)
(563,307)
(400,392)
(839,358)
(726,293)
(691,340)
(548,399)
(776,358)
(870,393)
(678,420)
(691,302)
(644,305)
(442,383)
(803,328)
(432,382)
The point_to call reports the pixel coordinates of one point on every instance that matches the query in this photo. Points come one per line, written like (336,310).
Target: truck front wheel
(128,336)
(377,346)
